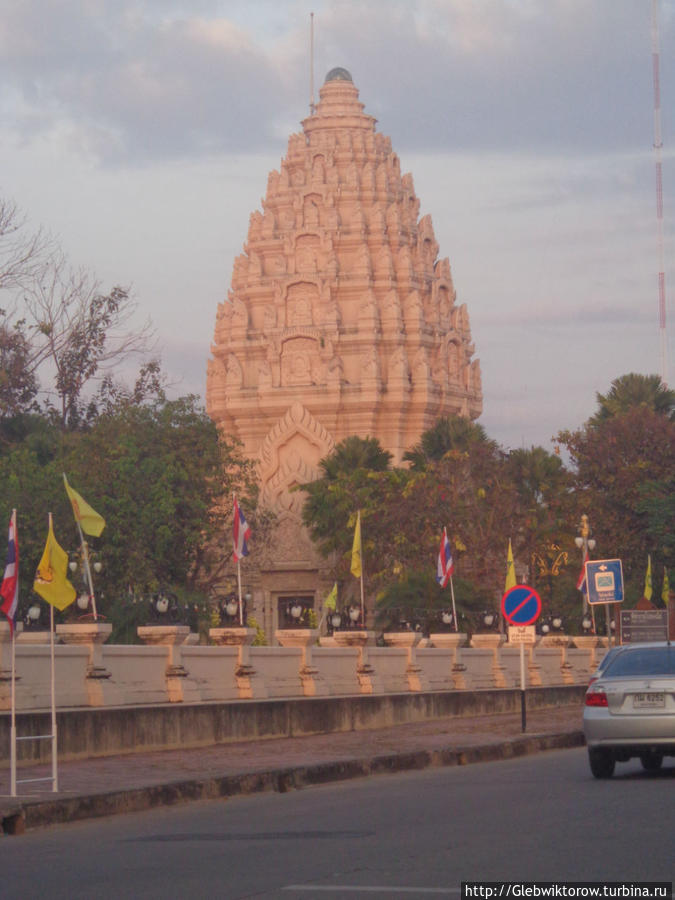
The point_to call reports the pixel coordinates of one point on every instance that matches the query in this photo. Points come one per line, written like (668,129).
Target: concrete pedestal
(313,685)
(180,688)
(249,683)
(408,640)
(492,642)
(101,690)
(369,681)
(452,640)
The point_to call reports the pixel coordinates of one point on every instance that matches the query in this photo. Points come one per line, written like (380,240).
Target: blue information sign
(521,605)
(604,579)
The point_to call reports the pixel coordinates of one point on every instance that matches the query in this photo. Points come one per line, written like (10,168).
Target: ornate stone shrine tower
(340,321)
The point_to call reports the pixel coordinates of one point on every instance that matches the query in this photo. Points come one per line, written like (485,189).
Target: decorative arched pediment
(297,420)
(290,455)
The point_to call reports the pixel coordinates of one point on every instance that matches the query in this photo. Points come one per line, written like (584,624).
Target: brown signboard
(640,625)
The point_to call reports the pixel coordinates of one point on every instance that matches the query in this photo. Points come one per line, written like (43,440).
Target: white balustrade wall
(172,668)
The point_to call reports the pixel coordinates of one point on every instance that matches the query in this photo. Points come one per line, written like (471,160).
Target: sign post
(604,580)
(521,606)
(640,625)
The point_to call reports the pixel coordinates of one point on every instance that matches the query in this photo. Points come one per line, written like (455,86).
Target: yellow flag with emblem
(89,520)
(648,580)
(330,602)
(51,581)
(665,590)
(510,570)
(356,567)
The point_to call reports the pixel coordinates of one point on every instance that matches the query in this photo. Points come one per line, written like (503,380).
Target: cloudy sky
(141,132)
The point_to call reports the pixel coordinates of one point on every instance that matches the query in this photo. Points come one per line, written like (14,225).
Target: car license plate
(652,700)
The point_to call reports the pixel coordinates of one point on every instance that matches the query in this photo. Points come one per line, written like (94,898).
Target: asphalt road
(414,834)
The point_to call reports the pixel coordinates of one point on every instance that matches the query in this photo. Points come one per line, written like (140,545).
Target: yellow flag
(331,600)
(510,570)
(648,580)
(665,590)
(51,582)
(356,568)
(89,519)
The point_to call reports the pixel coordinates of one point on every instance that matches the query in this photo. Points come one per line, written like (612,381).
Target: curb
(42,813)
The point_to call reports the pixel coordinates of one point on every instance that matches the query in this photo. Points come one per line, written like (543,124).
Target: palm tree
(449,433)
(630,391)
(355,453)
(538,474)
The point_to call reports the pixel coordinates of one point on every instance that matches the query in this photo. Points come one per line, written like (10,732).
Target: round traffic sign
(521,605)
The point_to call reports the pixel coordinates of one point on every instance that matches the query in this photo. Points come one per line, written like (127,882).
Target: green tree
(417,600)
(162,477)
(355,476)
(18,383)
(544,488)
(31,483)
(629,391)
(355,453)
(617,463)
(158,472)
(658,504)
(448,433)
(472,493)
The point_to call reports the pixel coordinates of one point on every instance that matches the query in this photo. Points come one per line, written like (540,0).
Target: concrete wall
(175,670)
(97,732)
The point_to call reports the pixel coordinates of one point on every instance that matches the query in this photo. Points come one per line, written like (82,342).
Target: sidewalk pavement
(90,788)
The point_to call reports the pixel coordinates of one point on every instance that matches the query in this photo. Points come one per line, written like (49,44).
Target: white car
(630,709)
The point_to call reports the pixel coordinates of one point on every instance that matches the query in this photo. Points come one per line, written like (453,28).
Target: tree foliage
(356,476)
(629,391)
(60,333)
(448,433)
(78,333)
(18,382)
(403,512)
(158,472)
(22,251)
(617,460)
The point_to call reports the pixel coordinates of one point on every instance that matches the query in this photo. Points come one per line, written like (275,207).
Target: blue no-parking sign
(604,580)
(521,605)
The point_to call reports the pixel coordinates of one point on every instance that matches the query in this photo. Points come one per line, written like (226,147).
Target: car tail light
(596,698)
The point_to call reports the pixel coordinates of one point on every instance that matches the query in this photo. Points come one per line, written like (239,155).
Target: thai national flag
(9,590)
(581,581)
(445,566)
(241,532)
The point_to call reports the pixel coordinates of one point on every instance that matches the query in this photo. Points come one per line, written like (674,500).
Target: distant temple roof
(338,74)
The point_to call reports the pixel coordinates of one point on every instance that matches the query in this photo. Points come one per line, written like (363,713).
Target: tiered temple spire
(341,319)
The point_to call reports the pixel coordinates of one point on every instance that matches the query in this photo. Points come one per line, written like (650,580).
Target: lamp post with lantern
(585,542)
(84,561)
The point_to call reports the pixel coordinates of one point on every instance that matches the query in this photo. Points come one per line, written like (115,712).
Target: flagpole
(454,611)
(87,568)
(241,608)
(55,775)
(668,618)
(12,765)
(665,596)
(12,625)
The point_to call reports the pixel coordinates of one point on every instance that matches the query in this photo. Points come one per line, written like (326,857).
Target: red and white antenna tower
(658,145)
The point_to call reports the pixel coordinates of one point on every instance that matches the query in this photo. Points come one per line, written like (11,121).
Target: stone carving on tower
(341,319)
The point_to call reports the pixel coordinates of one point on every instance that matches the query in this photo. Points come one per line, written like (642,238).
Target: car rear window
(643,661)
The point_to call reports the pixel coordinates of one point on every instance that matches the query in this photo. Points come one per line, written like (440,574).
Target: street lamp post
(84,560)
(585,542)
